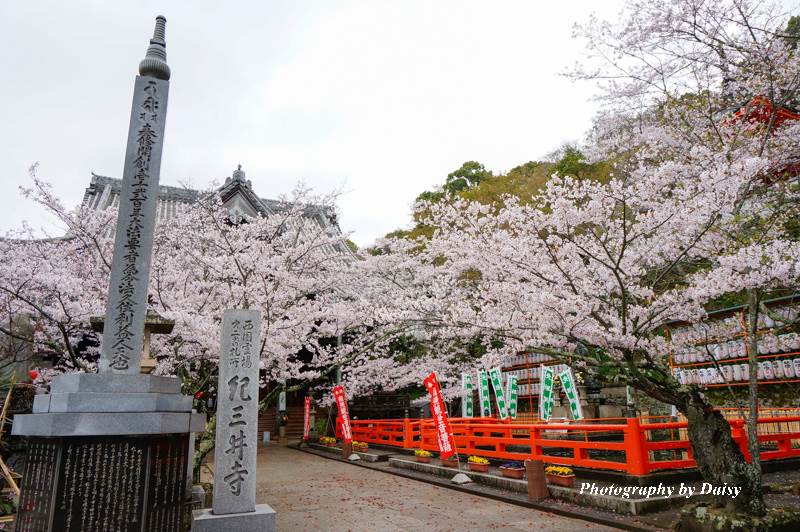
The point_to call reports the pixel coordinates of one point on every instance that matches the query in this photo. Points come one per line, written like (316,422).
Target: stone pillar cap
(154,63)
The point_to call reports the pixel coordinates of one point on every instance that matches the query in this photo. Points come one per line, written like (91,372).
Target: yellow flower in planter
(423,453)
(560,471)
(477,460)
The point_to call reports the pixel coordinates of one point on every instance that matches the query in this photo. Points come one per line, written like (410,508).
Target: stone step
(369,456)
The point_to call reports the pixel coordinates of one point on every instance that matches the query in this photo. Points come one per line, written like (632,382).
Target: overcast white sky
(381,99)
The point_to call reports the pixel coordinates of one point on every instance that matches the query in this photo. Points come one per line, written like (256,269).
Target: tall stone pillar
(109,451)
(126,307)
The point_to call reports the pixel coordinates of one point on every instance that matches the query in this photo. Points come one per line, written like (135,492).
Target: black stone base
(104,483)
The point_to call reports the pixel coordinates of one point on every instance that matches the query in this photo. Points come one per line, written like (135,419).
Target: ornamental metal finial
(154,63)
(238,174)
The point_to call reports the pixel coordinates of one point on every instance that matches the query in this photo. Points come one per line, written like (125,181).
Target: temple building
(236,193)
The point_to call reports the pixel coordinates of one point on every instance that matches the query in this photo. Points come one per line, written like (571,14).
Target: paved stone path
(314,493)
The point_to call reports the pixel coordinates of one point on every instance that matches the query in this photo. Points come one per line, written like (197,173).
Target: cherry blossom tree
(288,265)
(54,284)
(714,58)
(591,272)
(702,203)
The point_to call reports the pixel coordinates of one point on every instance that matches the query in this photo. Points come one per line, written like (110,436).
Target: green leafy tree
(471,174)
(793,32)
(572,163)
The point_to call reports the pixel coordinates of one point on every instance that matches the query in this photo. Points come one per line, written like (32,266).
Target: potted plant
(423,456)
(513,470)
(449,462)
(478,464)
(328,441)
(360,446)
(560,476)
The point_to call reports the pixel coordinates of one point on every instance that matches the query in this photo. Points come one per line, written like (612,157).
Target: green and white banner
(511,395)
(547,376)
(483,394)
(568,382)
(499,395)
(466,400)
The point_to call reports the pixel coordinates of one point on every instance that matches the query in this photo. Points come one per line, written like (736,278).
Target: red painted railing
(635,446)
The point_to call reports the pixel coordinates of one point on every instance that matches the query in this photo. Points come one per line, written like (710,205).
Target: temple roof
(103,192)
(237,195)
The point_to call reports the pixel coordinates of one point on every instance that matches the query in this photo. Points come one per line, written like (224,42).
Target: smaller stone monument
(236,443)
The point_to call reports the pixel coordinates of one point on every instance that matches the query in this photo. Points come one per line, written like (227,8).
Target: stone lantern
(154,323)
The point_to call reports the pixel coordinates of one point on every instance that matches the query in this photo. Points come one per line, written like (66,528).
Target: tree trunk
(752,361)
(718,456)
(204,445)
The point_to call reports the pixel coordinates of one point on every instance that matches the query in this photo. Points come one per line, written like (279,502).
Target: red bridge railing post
(408,434)
(739,435)
(635,447)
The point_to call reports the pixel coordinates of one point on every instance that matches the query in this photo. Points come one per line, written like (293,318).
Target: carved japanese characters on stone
(237,413)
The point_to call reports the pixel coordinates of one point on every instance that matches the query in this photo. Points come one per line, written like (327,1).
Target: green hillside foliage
(473,181)
(523,181)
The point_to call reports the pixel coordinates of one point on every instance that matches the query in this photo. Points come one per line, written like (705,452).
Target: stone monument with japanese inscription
(109,451)
(236,442)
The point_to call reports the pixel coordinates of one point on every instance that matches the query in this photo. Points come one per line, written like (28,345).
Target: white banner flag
(546,397)
(499,394)
(571,390)
(483,394)
(466,400)
(511,395)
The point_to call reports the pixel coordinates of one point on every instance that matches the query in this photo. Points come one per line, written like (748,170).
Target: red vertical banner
(341,404)
(447,445)
(306,418)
